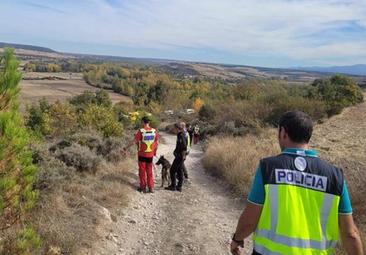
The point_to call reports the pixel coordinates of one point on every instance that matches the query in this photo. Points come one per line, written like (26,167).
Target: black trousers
(176,172)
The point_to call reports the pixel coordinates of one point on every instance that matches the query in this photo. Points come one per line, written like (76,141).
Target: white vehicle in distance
(169,112)
(190,111)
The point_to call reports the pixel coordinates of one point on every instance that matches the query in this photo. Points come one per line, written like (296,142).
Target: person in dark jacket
(176,171)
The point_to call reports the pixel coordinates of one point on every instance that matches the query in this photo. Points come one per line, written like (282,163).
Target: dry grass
(341,140)
(69,213)
(235,159)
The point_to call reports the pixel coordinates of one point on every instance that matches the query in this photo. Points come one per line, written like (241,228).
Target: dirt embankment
(342,141)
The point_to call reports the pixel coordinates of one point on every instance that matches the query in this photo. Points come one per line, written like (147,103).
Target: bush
(207,113)
(111,149)
(337,92)
(37,119)
(108,148)
(55,119)
(51,170)
(24,243)
(79,157)
(316,109)
(102,119)
(100,98)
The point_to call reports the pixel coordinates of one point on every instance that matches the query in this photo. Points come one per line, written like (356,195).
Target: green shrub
(101,119)
(111,149)
(316,109)
(108,148)
(154,122)
(207,112)
(36,118)
(51,170)
(337,92)
(79,157)
(55,119)
(25,242)
(101,98)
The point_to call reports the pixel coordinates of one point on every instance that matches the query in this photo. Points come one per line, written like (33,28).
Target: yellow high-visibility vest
(300,210)
(148,138)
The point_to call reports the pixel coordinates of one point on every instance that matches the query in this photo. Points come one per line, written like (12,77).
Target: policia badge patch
(300,163)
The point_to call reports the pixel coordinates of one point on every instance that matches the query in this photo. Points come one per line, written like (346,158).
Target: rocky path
(200,220)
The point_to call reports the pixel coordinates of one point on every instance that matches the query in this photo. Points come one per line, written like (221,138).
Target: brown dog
(165,175)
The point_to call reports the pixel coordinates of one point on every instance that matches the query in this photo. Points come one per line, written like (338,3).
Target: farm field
(62,87)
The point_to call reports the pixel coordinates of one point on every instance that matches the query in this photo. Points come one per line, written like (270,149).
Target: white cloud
(283,28)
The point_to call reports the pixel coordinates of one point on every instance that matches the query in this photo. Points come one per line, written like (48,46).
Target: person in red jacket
(147,140)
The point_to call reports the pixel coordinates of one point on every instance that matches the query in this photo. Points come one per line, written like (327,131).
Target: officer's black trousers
(176,172)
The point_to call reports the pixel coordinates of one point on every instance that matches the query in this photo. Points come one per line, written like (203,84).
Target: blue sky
(273,33)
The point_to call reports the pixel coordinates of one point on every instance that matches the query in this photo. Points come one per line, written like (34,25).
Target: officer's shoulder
(271,159)
(324,164)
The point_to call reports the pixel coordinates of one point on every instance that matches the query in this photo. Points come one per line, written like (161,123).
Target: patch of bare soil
(200,220)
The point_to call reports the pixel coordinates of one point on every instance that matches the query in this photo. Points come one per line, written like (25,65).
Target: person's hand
(235,248)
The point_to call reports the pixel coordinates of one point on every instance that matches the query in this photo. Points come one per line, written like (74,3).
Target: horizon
(287,34)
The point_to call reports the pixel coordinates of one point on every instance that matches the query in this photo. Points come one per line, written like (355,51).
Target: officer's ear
(282,134)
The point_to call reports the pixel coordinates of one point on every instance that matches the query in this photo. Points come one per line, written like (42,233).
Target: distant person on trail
(196,134)
(299,203)
(147,140)
(190,132)
(176,171)
(186,133)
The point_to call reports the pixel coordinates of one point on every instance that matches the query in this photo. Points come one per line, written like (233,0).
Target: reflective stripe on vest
(297,220)
(148,138)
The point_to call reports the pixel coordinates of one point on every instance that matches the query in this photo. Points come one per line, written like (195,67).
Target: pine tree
(17,172)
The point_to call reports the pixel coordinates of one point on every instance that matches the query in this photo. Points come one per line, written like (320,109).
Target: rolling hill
(352,69)
(187,69)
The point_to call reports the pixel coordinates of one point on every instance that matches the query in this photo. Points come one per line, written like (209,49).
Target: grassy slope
(341,140)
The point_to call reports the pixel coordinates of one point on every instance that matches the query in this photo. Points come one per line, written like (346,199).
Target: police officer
(298,203)
(176,170)
(146,139)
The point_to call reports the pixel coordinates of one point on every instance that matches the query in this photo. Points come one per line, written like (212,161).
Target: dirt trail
(200,220)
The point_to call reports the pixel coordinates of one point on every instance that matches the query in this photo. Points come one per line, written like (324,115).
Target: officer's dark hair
(145,120)
(298,125)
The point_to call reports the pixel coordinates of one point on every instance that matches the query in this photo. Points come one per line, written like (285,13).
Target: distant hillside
(353,70)
(26,47)
(187,69)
